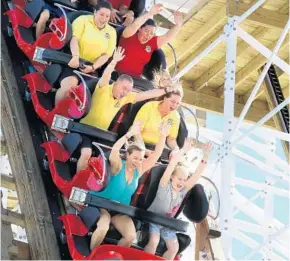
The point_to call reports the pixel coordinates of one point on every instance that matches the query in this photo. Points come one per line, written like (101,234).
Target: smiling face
(135,158)
(171,103)
(102,17)
(178,179)
(122,88)
(146,33)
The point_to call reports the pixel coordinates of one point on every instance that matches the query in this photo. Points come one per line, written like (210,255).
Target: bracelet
(204,161)
(75,55)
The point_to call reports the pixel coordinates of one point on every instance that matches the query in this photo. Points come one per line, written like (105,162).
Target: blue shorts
(164,232)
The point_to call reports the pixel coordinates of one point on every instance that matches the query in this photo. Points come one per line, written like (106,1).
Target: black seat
(71,16)
(34,8)
(137,6)
(26,34)
(63,170)
(157,62)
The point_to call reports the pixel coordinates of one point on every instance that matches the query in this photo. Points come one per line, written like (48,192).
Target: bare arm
(172,143)
(201,167)
(115,159)
(135,26)
(142,96)
(74,46)
(153,158)
(118,56)
(164,39)
(170,168)
(99,62)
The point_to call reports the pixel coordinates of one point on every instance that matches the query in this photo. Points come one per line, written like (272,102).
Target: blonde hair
(181,168)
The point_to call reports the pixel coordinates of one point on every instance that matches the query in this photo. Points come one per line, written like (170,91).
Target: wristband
(75,55)
(204,161)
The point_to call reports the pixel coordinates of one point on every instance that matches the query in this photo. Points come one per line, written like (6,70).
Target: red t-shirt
(117,3)
(137,55)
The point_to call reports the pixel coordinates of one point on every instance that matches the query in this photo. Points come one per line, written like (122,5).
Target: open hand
(188,145)
(156,9)
(129,18)
(115,17)
(207,149)
(178,19)
(135,129)
(119,54)
(164,128)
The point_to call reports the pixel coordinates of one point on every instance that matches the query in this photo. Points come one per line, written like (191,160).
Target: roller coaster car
(94,177)
(78,228)
(22,21)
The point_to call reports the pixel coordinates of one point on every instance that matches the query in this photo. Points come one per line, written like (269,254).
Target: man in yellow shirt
(93,40)
(108,99)
(154,113)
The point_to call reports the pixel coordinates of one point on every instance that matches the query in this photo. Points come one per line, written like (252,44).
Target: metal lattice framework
(275,245)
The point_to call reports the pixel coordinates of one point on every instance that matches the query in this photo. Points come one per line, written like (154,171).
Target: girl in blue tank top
(124,182)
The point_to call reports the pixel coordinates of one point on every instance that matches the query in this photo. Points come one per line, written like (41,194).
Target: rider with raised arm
(108,99)
(139,41)
(93,40)
(172,189)
(124,182)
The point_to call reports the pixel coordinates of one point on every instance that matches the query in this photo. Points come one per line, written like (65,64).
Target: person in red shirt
(139,41)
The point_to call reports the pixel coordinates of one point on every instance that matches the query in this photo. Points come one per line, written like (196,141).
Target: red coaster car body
(22,25)
(89,179)
(71,107)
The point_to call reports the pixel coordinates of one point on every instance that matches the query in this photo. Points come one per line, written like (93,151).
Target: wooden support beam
(261,17)
(214,104)
(7,182)
(253,65)
(203,249)
(197,7)
(12,217)
(186,61)
(219,66)
(202,33)
(25,167)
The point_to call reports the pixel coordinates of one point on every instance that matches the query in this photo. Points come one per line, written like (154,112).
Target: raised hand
(115,17)
(119,54)
(135,129)
(188,145)
(129,18)
(164,128)
(156,9)
(207,149)
(178,19)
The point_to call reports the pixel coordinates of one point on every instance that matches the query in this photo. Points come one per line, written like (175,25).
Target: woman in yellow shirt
(93,40)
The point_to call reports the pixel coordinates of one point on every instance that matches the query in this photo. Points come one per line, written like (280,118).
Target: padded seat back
(71,16)
(137,6)
(34,8)
(150,188)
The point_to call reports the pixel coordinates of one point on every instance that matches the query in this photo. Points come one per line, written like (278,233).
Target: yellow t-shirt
(151,119)
(93,42)
(104,107)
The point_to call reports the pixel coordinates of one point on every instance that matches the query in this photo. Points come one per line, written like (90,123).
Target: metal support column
(226,149)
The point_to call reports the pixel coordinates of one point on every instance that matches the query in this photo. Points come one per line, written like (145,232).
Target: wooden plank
(197,7)
(6,240)
(219,66)
(214,104)
(7,182)
(25,168)
(262,17)
(194,40)
(253,65)
(186,61)
(12,217)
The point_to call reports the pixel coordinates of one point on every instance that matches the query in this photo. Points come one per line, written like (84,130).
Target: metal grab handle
(103,160)
(65,17)
(85,89)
